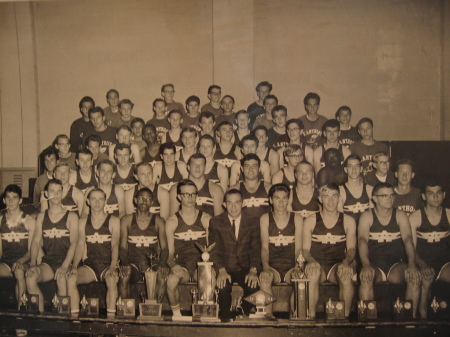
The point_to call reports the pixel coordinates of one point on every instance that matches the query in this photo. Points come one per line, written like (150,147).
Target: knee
(111,281)
(266,279)
(172,282)
(19,274)
(72,280)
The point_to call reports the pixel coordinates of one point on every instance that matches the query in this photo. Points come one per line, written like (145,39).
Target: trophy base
(150,310)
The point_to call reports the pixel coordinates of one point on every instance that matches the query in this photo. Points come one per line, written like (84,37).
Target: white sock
(176,310)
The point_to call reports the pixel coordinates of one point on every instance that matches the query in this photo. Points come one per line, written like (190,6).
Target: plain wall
(389,60)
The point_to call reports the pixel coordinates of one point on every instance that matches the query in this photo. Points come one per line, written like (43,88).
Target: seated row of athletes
(261,230)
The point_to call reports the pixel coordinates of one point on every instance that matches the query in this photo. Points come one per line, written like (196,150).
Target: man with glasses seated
(384,234)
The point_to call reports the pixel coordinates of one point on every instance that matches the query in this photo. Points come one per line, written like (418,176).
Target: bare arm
(274,162)
(264,232)
(277,178)
(265,170)
(30,224)
(171,225)
(183,169)
(309,154)
(365,222)
(160,226)
(235,172)
(36,240)
(350,236)
(217,193)
(157,172)
(205,222)
(114,227)
(79,251)
(120,194)
(129,201)
(173,197)
(125,224)
(298,221)
(407,237)
(317,155)
(222,173)
(78,197)
(308,227)
(136,153)
(164,203)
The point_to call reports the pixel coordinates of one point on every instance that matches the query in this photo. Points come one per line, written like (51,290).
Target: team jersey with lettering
(282,245)
(128,182)
(68,203)
(276,140)
(356,206)
(366,152)
(142,243)
(204,201)
(328,245)
(254,204)
(409,202)
(165,181)
(305,210)
(348,137)
(286,181)
(433,242)
(212,174)
(178,143)
(14,240)
(161,125)
(312,133)
(147,158)
(98,245)
(385,242)
(56,240)
(112,203)
(81,185)
(226,159)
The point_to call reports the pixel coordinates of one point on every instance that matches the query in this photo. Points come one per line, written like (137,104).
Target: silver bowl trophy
(150,309)
(300,312)
(205,301)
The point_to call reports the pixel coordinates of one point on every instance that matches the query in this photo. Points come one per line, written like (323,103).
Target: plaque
(334,310)
(125,308)
(150,309)
(439,310)
(402,310)
(300,311)
(89,306)
(33,303)
(367,310)
(64,305)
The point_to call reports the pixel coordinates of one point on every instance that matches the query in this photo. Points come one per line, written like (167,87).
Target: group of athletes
(122,195)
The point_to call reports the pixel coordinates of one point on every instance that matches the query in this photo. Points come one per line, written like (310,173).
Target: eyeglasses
(385,196)
(188,195)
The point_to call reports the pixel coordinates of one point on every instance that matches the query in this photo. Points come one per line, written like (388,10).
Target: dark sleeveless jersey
(348,137)
(322,161)
(204,201)
(286,181)
(142,243)
(212,175)
(56,240)
(98,245)
(14,240)
(178,143)
(81,185)
(385,243)
(128,182)
(409,202)
(254,204)
(156,207)
(328,245)
(165,181)
(266,157)
(225,159)
(185,236)
(356,206)
(276,140)
(305,210)
(147,158)
(433,242)
(112,203)
(68,203)
(282,245)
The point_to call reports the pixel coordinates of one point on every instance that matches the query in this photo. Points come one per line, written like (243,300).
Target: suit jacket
(229,253)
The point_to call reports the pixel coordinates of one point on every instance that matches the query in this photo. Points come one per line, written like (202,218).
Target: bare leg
(83,276)
(265,281)
(425,293)
(397,276)
(111,292)
(35,275)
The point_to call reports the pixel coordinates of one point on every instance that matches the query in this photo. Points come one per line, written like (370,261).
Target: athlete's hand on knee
(177,270)
(17,265)
(111,271)
(367,274)
(412,275)
(60,272)
(222,278)
(427,273)
(124,271)
(312,269)
(164,272)
(33,271)
(344,271)
(252,279)
(265,276)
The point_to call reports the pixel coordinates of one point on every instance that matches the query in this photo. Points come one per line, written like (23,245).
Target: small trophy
(150,309)
(402,310)
(334,310)
(206,308)
(439,309)
(125,308)
(300,312)
(239,308)
(32,305)
(55,302)
(367,310)
(23,302)
(261,299)
(89,306)
(64,305)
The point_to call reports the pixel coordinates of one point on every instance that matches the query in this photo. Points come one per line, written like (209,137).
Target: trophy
(367,310)
(125,308)
(402,310)
(29,303)
(334,310)
(439,309)
(23,302)
(55,302)
(150,309)
(205,300)
(89,306)
(61,304)
(261,299)
(300,312)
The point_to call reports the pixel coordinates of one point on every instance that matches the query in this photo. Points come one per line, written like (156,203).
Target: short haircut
(196,156)
(110,91)
(432,183)
(13,188)
(228,96)
(167,146)
(137,120)
(96,189)
(278,108)
(241,112)
(352,157)
(85,99)
(50,151)
(251,137)
(174,111)
(126,101)
(96,109)
(331,123)
(206,114)
(124,127)
(214,86)
(223,123)
(84,151)
(329,186)
(291,148)
(251,156)
(164,86)
(342,108)
(144,190)
(185,182)
(206,137)
(364,120)
(93,138)
(106,162)
(149,126)
(405,161)
(332,150)
(62,164)
(295,121)
(279,187)
(270,97)
(260,127)
(264,84)
(58,137)
(141,164)
(379,186)
(377,156)
(304,162)
(159,100)
(192,98)
(311,95)
(188,129)
(230,192)
(121,146)
(53,181)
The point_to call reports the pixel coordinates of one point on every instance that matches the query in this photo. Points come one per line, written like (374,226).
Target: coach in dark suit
(237,254)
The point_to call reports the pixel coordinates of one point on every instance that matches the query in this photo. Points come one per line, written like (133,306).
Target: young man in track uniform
(214,95)
(168,172)
(82,125)
(112,114)
(304,197)
(227,152)
(265,119)
(168,91)
(150,154)
(257,108)
(124,176)
(381,173)
(159,120)
(85,176)
(349,134)
(293,154)
(51,158)
(407,197)
(214,171)
(106,133)
(312,121)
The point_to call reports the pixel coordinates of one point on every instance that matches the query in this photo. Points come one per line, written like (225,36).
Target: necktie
(233,227)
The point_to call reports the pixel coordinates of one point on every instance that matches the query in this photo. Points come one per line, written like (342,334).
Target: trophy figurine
(119,306)
(334,310)
(55,301)
(23,302)
(150,309)
(206,308)
(367,310)
(439,310)
(84,306)
(402,310)
(300,312)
